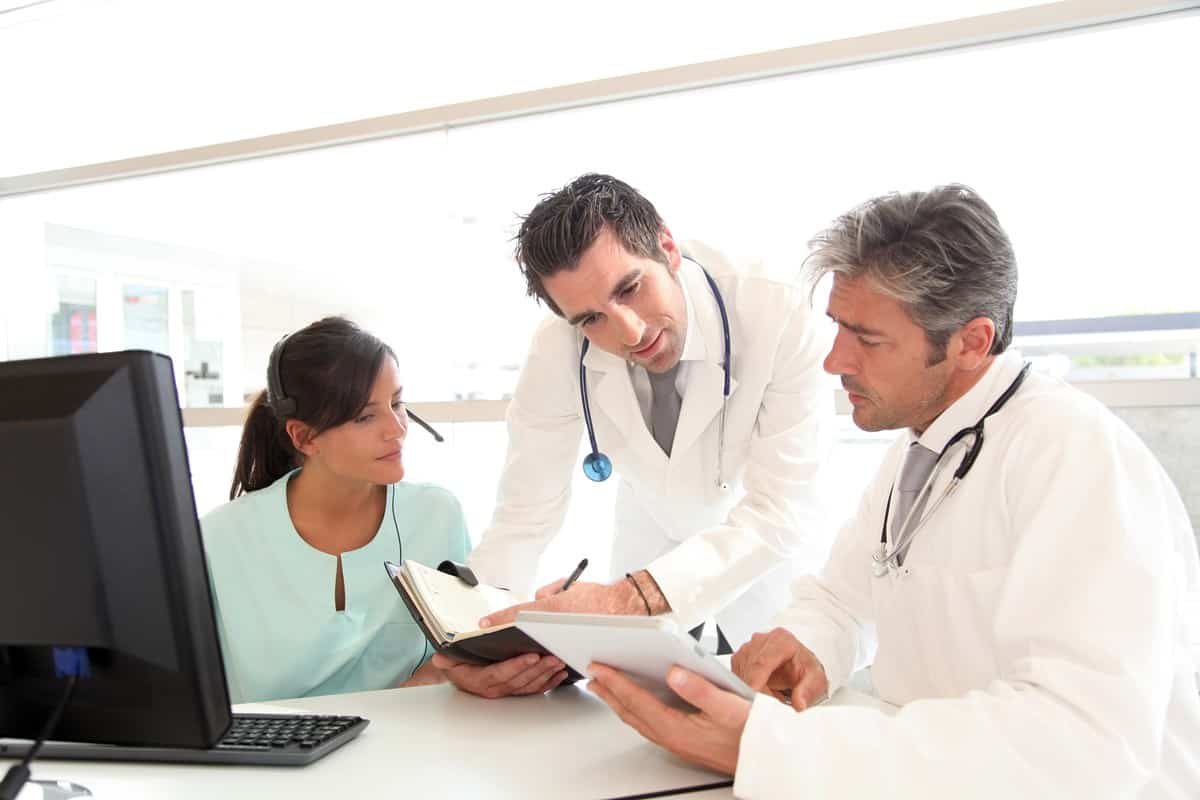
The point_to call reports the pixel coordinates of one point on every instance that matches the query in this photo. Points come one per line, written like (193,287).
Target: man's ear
(301,436)
(667,242)
(975,342)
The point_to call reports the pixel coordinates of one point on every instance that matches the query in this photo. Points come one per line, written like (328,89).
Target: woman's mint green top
(273,593)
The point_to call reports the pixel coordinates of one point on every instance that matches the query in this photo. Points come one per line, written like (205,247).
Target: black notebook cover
(498,645)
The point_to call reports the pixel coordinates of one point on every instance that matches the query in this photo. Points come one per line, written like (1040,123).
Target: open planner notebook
(447,610)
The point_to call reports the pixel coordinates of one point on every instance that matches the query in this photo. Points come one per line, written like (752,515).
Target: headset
(285,407)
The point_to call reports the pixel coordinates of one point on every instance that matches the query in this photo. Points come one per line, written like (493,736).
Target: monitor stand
(59,790)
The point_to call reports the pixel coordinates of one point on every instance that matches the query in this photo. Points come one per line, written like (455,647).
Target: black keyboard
(273,739)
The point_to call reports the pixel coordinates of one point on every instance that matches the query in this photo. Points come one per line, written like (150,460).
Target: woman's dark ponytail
(265,454)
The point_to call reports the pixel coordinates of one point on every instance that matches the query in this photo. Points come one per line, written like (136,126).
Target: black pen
(578,571)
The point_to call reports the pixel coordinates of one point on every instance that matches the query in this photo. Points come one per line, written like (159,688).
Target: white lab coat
(1038,635)
(710,550)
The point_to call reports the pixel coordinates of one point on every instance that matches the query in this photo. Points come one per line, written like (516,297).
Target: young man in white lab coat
(713,515)
(1036,629)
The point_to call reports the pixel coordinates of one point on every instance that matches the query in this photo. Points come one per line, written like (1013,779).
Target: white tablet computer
(645,648)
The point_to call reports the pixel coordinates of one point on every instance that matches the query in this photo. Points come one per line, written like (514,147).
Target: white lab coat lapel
(610,390)
(705,378)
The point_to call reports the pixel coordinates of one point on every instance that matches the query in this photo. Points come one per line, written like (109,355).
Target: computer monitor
(100,548)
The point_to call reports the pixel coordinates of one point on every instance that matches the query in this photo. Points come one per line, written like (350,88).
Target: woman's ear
(301,436)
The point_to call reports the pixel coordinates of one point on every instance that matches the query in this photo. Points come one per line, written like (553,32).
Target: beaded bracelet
(641,594)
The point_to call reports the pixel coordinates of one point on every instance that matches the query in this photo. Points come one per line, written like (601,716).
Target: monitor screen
(100,548)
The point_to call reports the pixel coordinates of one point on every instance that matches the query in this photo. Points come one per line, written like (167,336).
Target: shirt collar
(700,314)
(966,410)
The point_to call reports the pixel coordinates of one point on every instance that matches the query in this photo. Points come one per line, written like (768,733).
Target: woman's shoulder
(247,512)
(433,519)
(429,495)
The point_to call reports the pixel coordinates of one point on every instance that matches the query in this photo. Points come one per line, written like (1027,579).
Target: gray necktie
(664,408)
(918,463)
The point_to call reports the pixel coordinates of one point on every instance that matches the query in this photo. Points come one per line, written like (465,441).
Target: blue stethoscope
(596,465)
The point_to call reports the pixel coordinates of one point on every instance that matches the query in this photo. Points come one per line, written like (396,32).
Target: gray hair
(941,253)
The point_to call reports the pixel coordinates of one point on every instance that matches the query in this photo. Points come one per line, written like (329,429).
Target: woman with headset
(317,504)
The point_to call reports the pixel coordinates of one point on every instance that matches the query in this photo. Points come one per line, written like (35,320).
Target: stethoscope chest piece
(597,466)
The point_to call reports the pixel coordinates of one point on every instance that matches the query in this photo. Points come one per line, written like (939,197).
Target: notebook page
(432,623)
(458,606)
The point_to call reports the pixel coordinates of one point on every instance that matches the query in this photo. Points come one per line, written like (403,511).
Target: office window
(1084,143)
(212,456)
(73,325)
(75,290)
(202,349)
(1088,160)
(146,318)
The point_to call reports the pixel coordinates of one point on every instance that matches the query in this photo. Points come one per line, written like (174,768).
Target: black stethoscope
(883,560)
(596,465)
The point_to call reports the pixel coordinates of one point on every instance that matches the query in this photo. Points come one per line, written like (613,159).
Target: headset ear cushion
(284,407)
(280,403)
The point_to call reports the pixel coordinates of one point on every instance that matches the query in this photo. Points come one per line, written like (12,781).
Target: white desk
(428,742)
(432,742)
